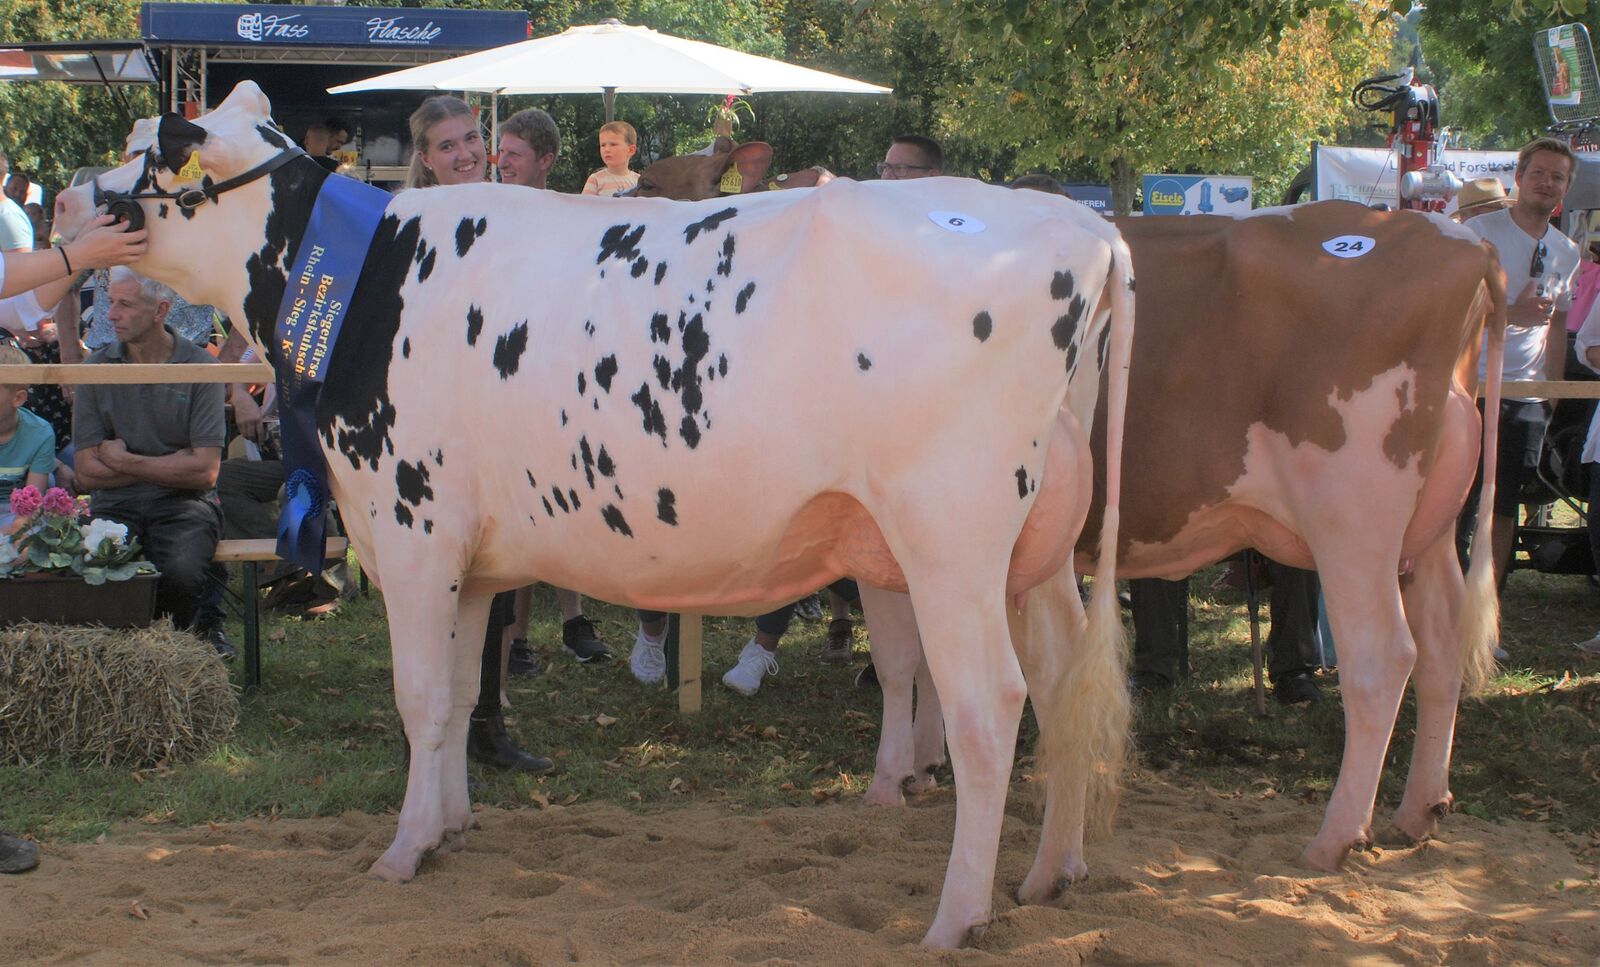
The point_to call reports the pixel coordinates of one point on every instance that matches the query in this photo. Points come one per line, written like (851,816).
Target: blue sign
(1097,197)
(1197,194)
(280,25)
(327,265)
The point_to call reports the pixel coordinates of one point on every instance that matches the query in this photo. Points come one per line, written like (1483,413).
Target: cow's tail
(1089,744)
(1480,615)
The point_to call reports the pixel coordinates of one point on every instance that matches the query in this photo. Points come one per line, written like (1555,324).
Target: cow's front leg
(1433,600)
(896,654)
(1376,655)
(429,625)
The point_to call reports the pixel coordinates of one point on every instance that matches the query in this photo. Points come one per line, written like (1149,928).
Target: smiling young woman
(448,144)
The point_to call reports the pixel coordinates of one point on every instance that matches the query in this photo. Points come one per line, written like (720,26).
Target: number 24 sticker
(1349,246)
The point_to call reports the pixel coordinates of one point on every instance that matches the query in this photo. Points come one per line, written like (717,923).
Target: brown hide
(1244,321)
(697,177)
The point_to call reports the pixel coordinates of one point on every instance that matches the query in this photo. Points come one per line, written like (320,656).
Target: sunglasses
(1536,267)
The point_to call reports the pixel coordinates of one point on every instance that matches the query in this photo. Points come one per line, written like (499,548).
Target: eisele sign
(269,25)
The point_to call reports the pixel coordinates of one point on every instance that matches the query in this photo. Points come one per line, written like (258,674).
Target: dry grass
(125,697)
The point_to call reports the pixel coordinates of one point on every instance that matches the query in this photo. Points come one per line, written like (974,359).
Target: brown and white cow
(532,386)
(1303,382)
(696,177)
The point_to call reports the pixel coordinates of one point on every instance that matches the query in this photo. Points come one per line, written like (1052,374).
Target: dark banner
(278,25)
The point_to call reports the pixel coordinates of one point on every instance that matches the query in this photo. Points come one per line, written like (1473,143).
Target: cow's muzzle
(125,207)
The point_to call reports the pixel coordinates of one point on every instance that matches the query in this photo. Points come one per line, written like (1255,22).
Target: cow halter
(125,205)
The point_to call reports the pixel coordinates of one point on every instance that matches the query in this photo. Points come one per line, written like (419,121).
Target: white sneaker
(1590,647)
(755,663)
(648,661)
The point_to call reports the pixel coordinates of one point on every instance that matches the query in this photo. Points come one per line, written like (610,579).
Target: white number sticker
(1348,246)
(956,222)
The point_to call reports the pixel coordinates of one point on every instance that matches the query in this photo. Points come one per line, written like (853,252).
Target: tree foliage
(52,129)
(1127,85)
(1480,58)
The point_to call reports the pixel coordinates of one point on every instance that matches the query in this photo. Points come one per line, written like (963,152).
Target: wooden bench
(251,553)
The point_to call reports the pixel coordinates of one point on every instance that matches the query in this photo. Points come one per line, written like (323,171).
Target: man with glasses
(1540,264)
(912,156)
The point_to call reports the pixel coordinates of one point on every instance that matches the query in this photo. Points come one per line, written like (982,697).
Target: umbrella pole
(494,127)
(610,95)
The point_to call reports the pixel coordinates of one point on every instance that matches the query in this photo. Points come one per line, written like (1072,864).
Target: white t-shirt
(1525,344)
(16,228)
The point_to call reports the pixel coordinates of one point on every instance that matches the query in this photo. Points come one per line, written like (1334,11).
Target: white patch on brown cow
(1288,490)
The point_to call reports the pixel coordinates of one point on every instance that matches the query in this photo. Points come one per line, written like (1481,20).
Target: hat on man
(1478,196)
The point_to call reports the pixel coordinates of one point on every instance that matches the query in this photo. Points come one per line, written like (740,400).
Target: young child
(27,442)
(618,142)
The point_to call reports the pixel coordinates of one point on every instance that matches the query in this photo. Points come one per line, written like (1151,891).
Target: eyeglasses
(899,171)
(1536,267)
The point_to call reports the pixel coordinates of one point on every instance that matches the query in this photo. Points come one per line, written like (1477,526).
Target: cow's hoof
(884,793)
(951,937)
(1048,886)
(1418,826)
(392,872)
(925,780)
(1327,858)
(453,841)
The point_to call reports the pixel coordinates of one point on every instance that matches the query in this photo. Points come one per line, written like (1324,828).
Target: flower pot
(68,600)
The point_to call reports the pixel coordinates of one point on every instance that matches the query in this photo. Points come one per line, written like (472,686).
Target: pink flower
(25,501)
(58,501)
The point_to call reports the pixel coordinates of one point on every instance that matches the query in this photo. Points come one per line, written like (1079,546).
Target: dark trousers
(500,615)
(776,623)
(179,534)
(1161,624)
(248,490)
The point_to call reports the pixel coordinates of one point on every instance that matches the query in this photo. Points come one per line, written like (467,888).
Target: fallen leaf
(137,777)
(136,909)
(676,785)
(570,800)
(786,787)
(634,795)
(604,720)
(770,732)
(539,799)
(276,634)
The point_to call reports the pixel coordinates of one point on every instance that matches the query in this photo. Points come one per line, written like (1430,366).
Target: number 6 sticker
(956,222)
(1349,246)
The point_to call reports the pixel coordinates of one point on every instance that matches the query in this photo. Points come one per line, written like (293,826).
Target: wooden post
(690,632)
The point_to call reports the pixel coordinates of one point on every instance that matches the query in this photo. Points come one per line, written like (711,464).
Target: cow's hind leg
(927,734)
(429,625)
(980,686)
(896,654)
(1434,598)
(466,679)
(1376,654)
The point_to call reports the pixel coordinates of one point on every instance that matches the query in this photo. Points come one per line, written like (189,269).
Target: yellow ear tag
(191,168)
(731,183)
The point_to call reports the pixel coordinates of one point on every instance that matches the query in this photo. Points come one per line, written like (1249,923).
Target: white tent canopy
(611,58)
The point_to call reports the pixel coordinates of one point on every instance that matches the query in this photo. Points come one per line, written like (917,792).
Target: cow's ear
(177,139)
(753,158)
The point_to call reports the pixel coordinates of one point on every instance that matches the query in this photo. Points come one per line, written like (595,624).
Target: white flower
(98,530)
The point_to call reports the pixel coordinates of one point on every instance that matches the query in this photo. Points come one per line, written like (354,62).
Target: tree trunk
(1122,184)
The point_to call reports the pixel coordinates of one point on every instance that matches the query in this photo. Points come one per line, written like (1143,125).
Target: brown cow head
(693,177)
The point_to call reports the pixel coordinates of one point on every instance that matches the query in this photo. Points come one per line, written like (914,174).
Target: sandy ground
(1190,877)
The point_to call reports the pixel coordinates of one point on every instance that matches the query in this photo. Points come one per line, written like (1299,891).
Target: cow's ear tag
(1349,246)
(732,182)
(956,222)
(191,168)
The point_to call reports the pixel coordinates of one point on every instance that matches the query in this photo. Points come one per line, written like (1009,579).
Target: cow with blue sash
(500,385)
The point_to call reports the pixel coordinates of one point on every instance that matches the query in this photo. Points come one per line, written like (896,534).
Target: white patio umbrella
(611,57)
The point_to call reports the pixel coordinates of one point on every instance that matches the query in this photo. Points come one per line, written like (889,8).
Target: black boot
(488,742)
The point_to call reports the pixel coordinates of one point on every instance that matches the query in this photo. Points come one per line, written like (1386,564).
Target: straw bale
(126,697)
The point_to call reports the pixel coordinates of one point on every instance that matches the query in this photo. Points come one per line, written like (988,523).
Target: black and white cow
(715,406)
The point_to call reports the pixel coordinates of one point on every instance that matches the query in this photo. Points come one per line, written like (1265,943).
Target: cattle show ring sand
(1189,876)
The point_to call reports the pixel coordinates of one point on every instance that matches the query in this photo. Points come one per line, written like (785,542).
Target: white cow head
(209,238)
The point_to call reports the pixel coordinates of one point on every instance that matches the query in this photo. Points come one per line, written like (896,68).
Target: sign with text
(279,25)
(1198,194)
(1367,175)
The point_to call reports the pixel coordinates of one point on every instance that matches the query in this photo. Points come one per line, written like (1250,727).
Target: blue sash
(326,268)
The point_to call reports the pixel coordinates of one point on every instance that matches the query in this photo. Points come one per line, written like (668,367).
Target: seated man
(27,443)
(148,453)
